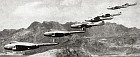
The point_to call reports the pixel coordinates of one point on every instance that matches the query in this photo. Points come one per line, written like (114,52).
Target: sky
(15,14)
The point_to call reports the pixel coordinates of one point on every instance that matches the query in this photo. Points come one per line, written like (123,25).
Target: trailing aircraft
(87,25)
(22,46)
(110,15)
(116,7)
(99,18)
(60,33)
(103,17)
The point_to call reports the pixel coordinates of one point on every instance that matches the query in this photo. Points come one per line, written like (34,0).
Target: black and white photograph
(69,28)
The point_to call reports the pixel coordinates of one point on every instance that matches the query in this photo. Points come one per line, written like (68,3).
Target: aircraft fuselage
(61,33)
(21,48)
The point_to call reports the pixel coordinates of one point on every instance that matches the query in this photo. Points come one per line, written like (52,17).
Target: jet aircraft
(87,25)
(22,46)
(127,4)
(99,18)
(110,15)
(60,33)
(116,7)
(103,17)
(122,6)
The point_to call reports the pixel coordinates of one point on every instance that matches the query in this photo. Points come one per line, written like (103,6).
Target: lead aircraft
(122,6)
(127,4)
(22,46)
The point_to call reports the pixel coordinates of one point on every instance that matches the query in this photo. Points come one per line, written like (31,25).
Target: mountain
(116,34)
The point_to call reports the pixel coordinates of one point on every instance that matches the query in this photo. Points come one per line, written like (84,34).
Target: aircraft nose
(47,33)
(7,47)
(73,26)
